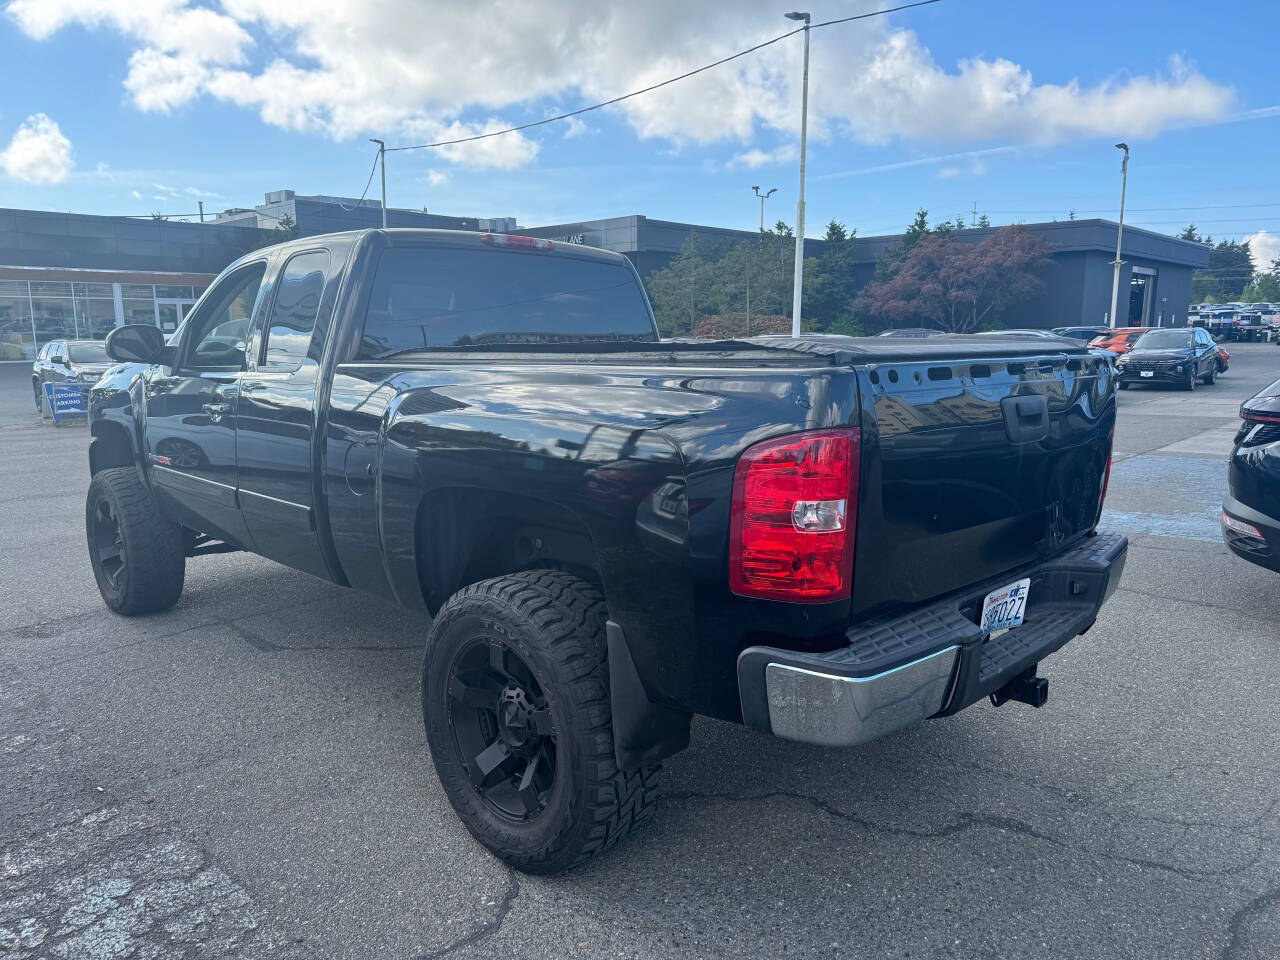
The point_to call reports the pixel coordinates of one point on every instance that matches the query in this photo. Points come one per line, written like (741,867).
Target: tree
(1265,287)
(984,221)
(288,226)
(1189,233)
(1230,269)
(956,285)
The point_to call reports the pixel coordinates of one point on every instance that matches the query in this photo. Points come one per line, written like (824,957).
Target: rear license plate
(1146,373)
(1005,608)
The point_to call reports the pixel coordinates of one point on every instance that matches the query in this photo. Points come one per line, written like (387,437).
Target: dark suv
(1179,357)
(67,361)
(1251,510)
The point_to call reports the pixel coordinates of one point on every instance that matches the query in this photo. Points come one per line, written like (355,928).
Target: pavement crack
(487,929)
(965,823)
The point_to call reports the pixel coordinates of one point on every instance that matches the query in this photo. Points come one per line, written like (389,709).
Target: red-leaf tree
(958,285)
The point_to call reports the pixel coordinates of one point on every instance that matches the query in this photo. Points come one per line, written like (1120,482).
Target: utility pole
(804,130)
(763,197)
(1118,263)
(382,160)
(201,202)
(975,213)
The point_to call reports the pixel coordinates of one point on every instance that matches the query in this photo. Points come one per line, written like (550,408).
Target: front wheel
(138,557)
(515,697)
(1190,385)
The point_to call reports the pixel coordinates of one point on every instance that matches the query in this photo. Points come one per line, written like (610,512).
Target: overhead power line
(656,86)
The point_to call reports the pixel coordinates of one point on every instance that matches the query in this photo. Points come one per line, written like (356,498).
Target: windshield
(1164,340)
(87,352)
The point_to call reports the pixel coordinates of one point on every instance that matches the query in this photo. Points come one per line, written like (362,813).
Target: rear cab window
(434,297)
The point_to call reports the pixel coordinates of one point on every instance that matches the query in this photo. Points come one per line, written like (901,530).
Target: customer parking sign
(66,401)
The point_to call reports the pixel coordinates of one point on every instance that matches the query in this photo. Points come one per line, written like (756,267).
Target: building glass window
(172,292)
(50,288)
(98,316)
(137,290)
(140,311)
(13,288)
(15,326)
(93,290)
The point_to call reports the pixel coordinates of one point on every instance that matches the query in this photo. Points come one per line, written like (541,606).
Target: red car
(1119,340)
(1225,360)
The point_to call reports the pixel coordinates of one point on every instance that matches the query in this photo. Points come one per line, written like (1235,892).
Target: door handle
(216,410)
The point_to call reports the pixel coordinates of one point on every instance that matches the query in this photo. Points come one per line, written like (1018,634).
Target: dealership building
(74,275)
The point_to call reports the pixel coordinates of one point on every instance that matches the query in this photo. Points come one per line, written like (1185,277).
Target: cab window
(293,315)
(219,329)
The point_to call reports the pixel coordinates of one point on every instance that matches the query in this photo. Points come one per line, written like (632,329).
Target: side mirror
(58,360)
(135,343)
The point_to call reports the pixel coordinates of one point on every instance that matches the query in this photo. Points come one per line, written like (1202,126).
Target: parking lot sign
(66,401)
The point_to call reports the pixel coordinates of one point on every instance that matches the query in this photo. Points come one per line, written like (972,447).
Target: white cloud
(401,67)
(755,158)
(437,178)
(202,194)
(38,152)
(1265,247)
(135,194)
(574,127)
(949,173)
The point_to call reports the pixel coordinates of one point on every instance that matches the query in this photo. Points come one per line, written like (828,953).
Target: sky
(141,106)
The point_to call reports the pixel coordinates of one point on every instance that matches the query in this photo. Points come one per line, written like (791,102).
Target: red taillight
(793,516)
(518,242)
(1252,416)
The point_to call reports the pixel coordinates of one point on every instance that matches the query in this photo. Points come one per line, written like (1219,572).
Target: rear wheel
(1123,385)
(1211,377)
(138,557)
(35,391)
(515,697)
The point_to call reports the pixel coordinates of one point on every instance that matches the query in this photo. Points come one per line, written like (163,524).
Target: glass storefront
(34,312)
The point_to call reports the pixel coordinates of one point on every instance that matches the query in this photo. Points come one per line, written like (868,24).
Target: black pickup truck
(825,538)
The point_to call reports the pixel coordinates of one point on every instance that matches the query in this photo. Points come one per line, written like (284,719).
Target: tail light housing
(793,517)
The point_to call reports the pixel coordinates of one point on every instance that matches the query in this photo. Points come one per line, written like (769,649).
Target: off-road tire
(555,623)
(153,559)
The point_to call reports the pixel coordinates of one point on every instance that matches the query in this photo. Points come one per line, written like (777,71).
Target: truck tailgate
(972,467)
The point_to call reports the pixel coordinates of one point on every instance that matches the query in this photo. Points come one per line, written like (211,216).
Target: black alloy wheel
(106,540)
(502,728)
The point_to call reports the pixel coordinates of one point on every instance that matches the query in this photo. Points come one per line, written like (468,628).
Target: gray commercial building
(72,275)
(1155,279)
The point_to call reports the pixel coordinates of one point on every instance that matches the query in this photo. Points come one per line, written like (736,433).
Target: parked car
(1251,510)
(911,332)
(1224,359)
(1039,334)
(1087,334)
(1177,356)
(67,361)
(827,539)
(1118,341)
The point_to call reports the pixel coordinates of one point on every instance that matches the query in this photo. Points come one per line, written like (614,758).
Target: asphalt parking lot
(247,776)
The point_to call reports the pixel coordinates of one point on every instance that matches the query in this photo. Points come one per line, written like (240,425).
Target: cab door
(190,410)
(277,417)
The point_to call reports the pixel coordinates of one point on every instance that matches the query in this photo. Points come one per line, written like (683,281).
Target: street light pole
(1117,263)
(382,160)
(804,130)
(763,197)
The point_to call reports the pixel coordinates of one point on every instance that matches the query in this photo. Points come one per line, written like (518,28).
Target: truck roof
(424,236)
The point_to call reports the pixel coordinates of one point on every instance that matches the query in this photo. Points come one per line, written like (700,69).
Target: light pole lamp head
(793,15)
(772,191)
(756,188)
(1122,146)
